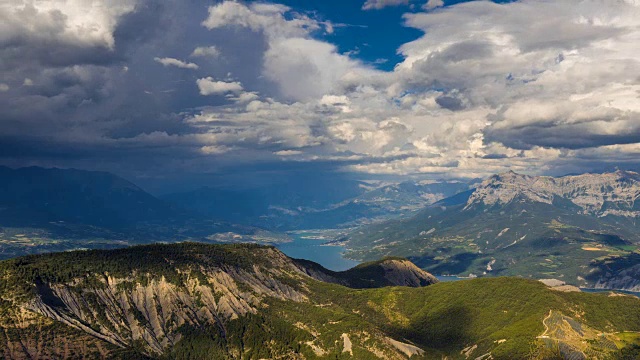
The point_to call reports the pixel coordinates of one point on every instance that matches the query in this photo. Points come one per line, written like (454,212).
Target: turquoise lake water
(443,278)
(312,249)
(636,294)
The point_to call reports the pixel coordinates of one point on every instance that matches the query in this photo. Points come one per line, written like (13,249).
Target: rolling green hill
(195,301)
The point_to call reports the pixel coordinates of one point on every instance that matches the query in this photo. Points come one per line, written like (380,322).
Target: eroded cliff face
(150,311)
(103,315)
(25,334)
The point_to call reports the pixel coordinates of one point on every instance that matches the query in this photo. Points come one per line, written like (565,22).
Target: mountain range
(44,210)
(244,301)
(583,229)
(315,206)
(32,196)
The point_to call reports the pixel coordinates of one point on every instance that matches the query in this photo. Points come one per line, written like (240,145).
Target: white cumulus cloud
(209,86)
(301,66)
(432,4)
(380,4)
(82,22)
(167,61)
(206,51)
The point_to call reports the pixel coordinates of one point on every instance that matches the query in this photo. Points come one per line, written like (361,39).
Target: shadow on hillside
(457,264)
(444,329)
(47,295)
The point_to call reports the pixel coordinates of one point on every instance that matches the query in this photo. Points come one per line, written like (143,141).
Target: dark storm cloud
(84,97)
(29,53)
(495,156)
(562,136)
(450,102)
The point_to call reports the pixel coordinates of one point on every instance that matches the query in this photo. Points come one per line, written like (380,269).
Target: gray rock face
(148,310)
(406,273)
(387,272)
(616,193)
(627,279)
(560,285)
(122,311)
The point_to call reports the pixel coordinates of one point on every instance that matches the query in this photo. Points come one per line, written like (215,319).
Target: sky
(178,91)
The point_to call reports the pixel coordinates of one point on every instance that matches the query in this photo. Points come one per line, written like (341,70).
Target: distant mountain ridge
(43,210)
(34,194)
(616,193)
(276,209)
(50,209)
(584,229)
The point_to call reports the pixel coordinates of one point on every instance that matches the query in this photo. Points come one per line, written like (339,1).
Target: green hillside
(193,301)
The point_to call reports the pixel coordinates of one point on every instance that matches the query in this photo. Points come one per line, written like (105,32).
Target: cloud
(177,63)
(4,87)
(261,17)
(288,152)
(59,33)
(209,86)
(75,95)
(245,97)
(307,68)
(473,95)
(301,66)
(432,4)
(214,150)
(82,22)
(206,51)
(534,79)
(380,4)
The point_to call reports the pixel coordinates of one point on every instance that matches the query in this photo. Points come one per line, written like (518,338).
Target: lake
(636,294)
(306,248)
(449,278)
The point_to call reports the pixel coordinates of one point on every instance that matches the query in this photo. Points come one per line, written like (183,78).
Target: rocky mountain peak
(614,193)
(390,271)
(402,272)
(509,175)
